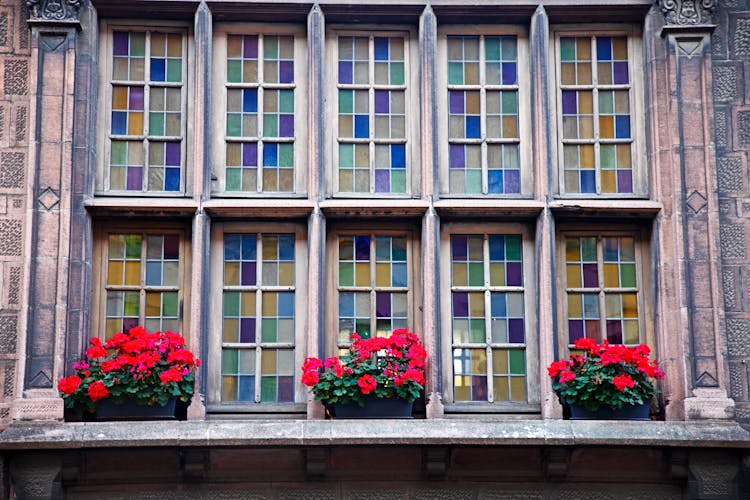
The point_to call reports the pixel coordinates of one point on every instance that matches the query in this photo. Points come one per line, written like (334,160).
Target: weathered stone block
(725,82)
(741,38)
(738,336)
(730,279)
(12,170)
(8,333)
(16,77)
(733,241)
(731,174)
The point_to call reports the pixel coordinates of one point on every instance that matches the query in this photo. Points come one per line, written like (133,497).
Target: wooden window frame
(523,85)
(219,107)
(104,112)
(214,333)
(533,403)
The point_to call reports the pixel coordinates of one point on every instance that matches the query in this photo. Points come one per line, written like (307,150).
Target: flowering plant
(611,375)
(149,368)
(384,367)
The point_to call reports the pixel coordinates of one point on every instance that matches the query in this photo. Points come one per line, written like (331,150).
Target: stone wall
(731,69)
(15,47)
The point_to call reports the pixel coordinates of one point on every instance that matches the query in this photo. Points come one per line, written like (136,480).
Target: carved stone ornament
(688,12)
(53,10)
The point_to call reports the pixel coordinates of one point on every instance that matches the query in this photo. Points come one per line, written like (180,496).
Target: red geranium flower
(97,391)
(367,383)
(69,385)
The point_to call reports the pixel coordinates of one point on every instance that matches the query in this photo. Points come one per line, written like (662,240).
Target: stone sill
(439,432)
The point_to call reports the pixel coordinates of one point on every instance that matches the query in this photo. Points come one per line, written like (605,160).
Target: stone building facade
(501,177)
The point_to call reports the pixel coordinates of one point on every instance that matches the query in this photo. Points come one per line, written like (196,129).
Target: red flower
(69,385)
(171,375)
(623,381)
(96,350)
(331,362)
(556,367)
(97,391)
(310,377)
(311,364)
(586,344)
(367,383)
(567,376)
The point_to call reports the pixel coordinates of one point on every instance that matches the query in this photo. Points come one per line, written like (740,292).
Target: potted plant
(606,381)
(381,377)
(133,375)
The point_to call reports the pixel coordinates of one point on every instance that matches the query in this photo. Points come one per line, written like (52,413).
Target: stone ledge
(48,436)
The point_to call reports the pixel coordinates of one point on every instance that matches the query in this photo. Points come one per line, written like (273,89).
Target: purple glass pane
(624,181)
(459,248)
(590,276)
(457,156)
(515,331)
(509,73)
(247,330)
(456,102)
(135,178)
(250,44)
(286,125)
(171,246)
(383,305)
(362,247)
(345,72)
(286,389)
(575,330)
(569,102)
(514,276)
(382,101)
(614,331)
(460,305)
(120,43)
(382,181)
(135,102)
(172,154)
(128,323)
(512,181)
(248,273)
(621,72)
(286,71)
(479,388)
(249,154)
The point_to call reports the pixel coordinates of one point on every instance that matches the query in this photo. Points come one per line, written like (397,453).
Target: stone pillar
(54,27)
(694,217)
(36,476)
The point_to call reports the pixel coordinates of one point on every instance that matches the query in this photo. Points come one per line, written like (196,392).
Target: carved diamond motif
(696,201)
(48,198)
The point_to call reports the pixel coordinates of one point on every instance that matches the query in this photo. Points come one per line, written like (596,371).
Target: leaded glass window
(488,334)
(595,101)
(258,318)
(143,276)
(371,106)
(483,115)
(602,288)
(146,146)
(373,285)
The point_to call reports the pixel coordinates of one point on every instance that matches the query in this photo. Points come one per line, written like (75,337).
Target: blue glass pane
(269,155)
(381,49)
(610,249)
(604,48)
(232,247)
(497,248)
(346,305)
(398,156)
(247,388)
(286,305)
(622,126)
(588,181)
(158,70)
(361,126)
(286,247)
(590,306)
(472,127)
(383,248)
(345,72)
(399,275)
(119,122)
(250,100)
(459,248)
(399,249)
(362,246)
(248,247)
(495,181)
(153,273)
(172,179)
(509,73)
(499,306)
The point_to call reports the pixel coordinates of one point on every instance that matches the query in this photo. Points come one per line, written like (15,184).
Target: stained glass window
(487,316)
(602,289)
(483,128)
(372,145)
(260,135)
(257,360)
(373,285)
(595,103)
(142,282)
(146,131)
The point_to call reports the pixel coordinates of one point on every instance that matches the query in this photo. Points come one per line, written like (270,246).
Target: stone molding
(54,10)
(688,12)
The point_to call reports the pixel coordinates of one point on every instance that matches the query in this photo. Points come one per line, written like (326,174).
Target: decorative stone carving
(688,12)
(54,10)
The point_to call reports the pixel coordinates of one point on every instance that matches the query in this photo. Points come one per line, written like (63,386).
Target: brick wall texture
(731,82)
(15,61)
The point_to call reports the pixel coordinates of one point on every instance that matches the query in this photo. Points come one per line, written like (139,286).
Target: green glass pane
(607,156)
(286,155)
(567,49)
(234,179)
(492,49)
(346,274)
(286,101)
(398,181)
(476,274)
(234,71)
(510,103)
(509,48)
(155,124)
(132,246)
(588,246)
(455,73)
(131,304)
(119,153)
(627,275)
(513,248)
(346,155)
(477,330)
(270,125)
(174,70)
(169,309)
(346,99)
(473,181)
(231,304)
(605,102)
(268,330)
(397,73)
(137,44)
(229,361)
(362,327)
(270,48)
(516,362)
(268,389)
(234,125)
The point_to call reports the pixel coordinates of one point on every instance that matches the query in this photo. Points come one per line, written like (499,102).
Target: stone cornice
(54,11)
(688,12)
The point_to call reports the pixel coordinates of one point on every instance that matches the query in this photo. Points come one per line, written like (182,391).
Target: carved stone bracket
(54,10)
(688,12)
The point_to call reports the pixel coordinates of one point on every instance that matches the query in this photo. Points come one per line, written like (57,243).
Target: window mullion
(487,315)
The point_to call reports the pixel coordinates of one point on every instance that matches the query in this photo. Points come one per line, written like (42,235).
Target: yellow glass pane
(475,249)
(630,332)
(472,103)
(478,361)
(586,127)
(250,71)
(158,44)
(620,48)
(510,126)
(568,73)
(629,305)
(153,304)
(362,274)
(112,327)
(114,272)
(609,181)
(234,46)
(583,49)
(500,361)
(132,273)
(573,274)
(606,127)
(270,301)
(497,274)
(471,73)
(247,304)
(585,103)
(345,126)
(135,123)
(361,155)
(584,74)
(612,304)
(268,362)
(575,305)
(383,274)
(233,154)
(120,98)
(174,45)
(623,156)
(518,388)
(231,273)
(627,249)
(228,388)
(572,250)
(476,305)
(587,156)
(459,274)
(462,385)
(270,248)
(611,275)
(500,387)
(231,327)
(286,273)
(604,70)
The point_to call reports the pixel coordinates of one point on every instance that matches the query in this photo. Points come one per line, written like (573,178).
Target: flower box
(627,412)
(107,410)
(373,408)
